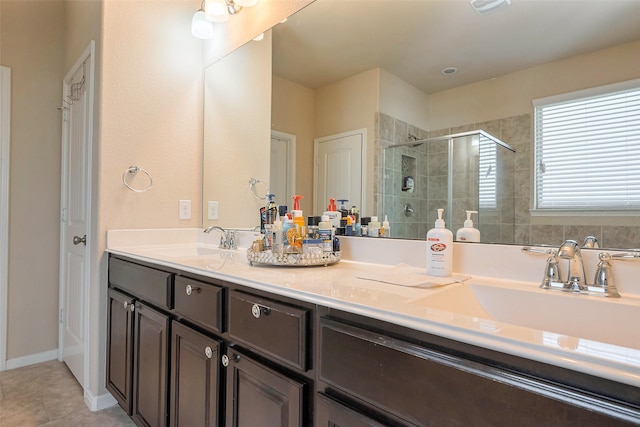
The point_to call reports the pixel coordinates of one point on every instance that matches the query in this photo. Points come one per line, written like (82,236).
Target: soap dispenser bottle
(468,233)
(439,249)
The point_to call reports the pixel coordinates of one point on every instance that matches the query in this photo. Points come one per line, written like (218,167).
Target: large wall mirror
(386,67)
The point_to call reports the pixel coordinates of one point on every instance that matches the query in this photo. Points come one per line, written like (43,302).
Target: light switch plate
(185,209)
(212,209)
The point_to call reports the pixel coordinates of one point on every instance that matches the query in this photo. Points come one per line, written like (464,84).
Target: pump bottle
(439,249)
(333,213)
(468,233)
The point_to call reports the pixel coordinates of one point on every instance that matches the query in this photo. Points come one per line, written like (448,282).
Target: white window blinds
(587,151)
(487,173)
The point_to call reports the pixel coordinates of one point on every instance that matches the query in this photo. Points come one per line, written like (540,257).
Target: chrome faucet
(227,239)
(576,278)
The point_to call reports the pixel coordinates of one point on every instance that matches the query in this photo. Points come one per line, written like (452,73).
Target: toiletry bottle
(374,227)
(343,208)
(332,213)
(325,233)
(439,249)
(271,215)
(385,229)
(364,226)
(277,246)
(468,233)
(355,215)
(312,226)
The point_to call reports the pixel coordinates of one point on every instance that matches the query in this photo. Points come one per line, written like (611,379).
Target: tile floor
(47,394)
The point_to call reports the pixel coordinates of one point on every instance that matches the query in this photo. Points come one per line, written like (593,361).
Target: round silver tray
(292,260)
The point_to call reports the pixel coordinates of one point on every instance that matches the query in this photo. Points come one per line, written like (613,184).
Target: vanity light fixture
(215,11)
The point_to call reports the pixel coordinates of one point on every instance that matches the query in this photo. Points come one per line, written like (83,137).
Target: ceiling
(416,39)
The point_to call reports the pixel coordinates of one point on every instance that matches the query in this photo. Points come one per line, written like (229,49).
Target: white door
(283,167)
(5,107)
(339,170)
(75,239)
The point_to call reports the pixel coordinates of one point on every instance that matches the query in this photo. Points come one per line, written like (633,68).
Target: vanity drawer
(148,284)
(200,302)
(280,330)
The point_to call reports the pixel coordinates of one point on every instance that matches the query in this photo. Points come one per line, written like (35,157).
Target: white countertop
(339,286)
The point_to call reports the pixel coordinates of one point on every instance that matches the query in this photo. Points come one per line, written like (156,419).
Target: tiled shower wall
(515,131)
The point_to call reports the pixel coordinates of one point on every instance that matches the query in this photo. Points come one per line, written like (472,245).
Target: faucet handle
(603,284)
(551,278)
(231,240)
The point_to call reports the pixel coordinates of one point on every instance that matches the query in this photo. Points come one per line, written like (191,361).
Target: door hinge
(65,114)
(64,214)
(61,316)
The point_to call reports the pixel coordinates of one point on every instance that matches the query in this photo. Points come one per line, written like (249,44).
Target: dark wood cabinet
(189,351)
(331,412)
(195,378)
(258,396)
(426,387)
(150,367)
(120,348)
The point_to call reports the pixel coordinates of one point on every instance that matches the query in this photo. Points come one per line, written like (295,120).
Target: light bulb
(246,3)
(216,10)
(200,26)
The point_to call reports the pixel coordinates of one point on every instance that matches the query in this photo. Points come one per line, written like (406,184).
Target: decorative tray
(292,260)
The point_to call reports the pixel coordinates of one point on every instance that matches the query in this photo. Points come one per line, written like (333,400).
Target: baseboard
(98,403)
(32,359)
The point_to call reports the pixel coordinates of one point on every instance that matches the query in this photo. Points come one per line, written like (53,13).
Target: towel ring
(132,170)
(252,187)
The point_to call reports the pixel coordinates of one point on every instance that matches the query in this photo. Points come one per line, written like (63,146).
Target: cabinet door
(261,397)
(150,368)
(119,347)
(195,365)
(331,413)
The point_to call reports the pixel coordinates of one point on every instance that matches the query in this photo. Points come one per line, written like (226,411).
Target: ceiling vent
(487,6)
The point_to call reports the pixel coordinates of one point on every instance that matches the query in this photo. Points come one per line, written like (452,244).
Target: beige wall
(403,101)
(237,133)
(293,111)
(347,105)
(511,94)
(32,45)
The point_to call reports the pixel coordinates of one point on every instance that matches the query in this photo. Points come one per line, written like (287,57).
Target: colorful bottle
(271,214)
(325,232)
(332,213)
(439,249)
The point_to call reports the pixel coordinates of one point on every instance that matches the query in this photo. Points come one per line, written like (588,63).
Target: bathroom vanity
(196,336)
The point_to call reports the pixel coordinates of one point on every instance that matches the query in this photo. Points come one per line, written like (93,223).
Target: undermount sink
(593,318)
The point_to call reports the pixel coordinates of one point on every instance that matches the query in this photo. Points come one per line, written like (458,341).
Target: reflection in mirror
(469,171)
(381,71)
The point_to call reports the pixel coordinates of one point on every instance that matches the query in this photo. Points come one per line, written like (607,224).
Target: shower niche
(458,172)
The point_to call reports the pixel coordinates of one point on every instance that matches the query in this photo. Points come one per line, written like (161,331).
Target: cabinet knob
(257,310)
(208,352)
(226,360)
(191,289)
(128,306)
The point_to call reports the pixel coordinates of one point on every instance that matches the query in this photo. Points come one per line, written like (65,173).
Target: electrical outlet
(185,209)
(212,209)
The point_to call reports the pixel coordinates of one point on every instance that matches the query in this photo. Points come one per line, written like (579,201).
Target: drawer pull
(257,310)
(191,289)
(208,352)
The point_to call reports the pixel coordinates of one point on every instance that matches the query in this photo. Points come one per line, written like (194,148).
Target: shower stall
(469,171)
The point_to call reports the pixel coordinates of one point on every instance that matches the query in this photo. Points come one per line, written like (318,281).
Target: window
(587,149)
(487,173)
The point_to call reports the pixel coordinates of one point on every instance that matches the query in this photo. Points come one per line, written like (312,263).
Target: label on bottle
(327,242)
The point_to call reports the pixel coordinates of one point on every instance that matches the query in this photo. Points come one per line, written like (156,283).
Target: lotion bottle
(439,249)
(468,233)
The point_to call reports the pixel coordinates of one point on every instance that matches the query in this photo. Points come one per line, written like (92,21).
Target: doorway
(339,169)
(75,235)
(283,166)
(5,115)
